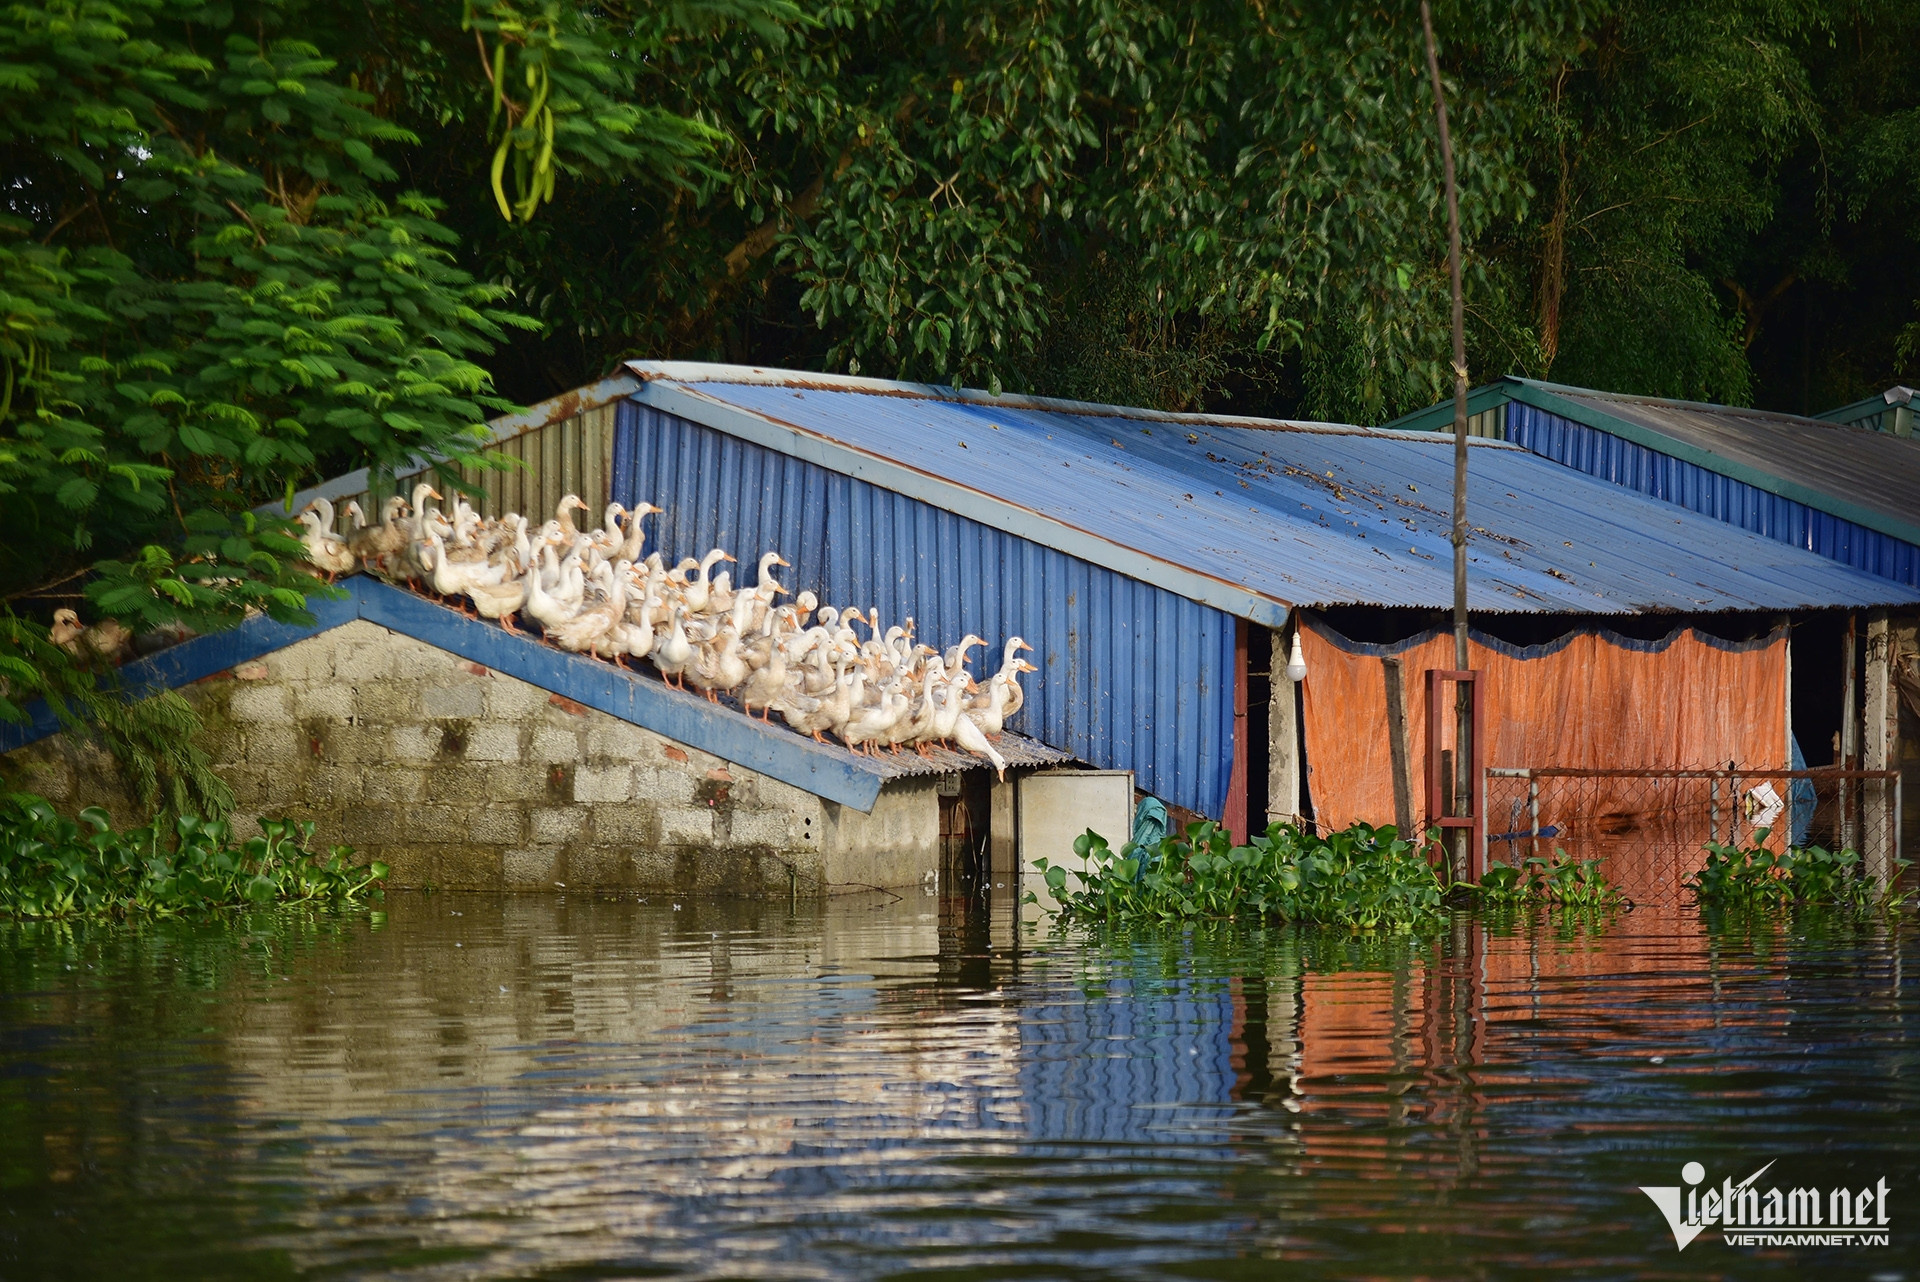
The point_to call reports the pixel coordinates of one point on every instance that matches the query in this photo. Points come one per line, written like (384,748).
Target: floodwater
(545,1087)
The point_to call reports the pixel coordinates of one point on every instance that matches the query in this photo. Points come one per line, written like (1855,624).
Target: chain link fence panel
(1649,828)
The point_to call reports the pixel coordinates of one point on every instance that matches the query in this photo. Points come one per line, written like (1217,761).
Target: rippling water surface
(470,1086)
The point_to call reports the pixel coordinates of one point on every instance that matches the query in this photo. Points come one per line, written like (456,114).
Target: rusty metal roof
(1256,516)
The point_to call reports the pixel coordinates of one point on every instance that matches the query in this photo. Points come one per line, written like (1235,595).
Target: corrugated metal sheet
(1132,677)
(1888,411)
(1622,462)
(1284,513)
(561,446)
(1014,749)
(570,456)
(1875,470)
(1837,463)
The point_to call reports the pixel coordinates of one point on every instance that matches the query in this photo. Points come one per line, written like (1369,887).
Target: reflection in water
(526,1086)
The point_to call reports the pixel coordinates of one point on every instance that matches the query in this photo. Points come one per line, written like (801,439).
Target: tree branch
(757,242)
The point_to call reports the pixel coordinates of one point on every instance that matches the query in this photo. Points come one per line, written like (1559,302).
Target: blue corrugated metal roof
(1132,676)
(1869,478)
(1622,462)
(1253,517)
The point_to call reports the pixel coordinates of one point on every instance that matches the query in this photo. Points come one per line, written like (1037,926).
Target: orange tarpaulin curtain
(1591,700)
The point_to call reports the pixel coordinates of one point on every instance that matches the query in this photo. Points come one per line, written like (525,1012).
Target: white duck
(639,633)
(722,669)
(918,723)
(952,704)
(452,578)
(589,628)
(814,714)
(563,513)
(610,538)
(971,738)
(675,653)
(699,590)
(871,723)
(767,683)
(501,600)
(1016,697)
(847,697)
(996,702)
(956,656)
(765,588)
(636,537)
(720,596)
(410,562)
(325,549)
(377,545)
(541,606)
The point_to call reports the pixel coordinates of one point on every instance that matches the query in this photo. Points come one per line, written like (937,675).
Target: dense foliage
(1360,877)
(212,285)
(51,866)
(1753,876)
(228,259)
(1173,204)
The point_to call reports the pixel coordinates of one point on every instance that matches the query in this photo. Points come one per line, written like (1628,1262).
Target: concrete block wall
(462,777)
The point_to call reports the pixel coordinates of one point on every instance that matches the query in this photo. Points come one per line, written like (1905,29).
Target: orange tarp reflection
(1430,1043)
(1589,701)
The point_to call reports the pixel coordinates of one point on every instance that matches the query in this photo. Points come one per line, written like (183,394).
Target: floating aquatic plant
(1562,882)
(1360,877)
(1754,876)
(52,866)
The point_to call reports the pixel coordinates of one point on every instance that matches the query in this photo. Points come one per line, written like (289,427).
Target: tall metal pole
(1463,791)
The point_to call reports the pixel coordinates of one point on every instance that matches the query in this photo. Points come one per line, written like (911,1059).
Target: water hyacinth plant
(1360,877)
(1563,882)
(1753,876)
(54,867)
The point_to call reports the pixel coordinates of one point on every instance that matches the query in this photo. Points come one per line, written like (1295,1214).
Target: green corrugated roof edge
(1556,398)
(1894,398)
(1872,407)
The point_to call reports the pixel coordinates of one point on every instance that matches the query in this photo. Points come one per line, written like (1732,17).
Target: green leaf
(76,493)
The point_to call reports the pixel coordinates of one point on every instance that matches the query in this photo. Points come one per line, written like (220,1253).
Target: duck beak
(783,562)
(435,494)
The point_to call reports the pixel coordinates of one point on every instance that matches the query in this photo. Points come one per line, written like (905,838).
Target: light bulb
(1297,664)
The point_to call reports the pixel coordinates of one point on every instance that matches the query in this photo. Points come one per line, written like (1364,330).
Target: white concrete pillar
(1283,742)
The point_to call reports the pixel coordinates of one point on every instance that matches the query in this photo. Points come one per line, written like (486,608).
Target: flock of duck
(593,592)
